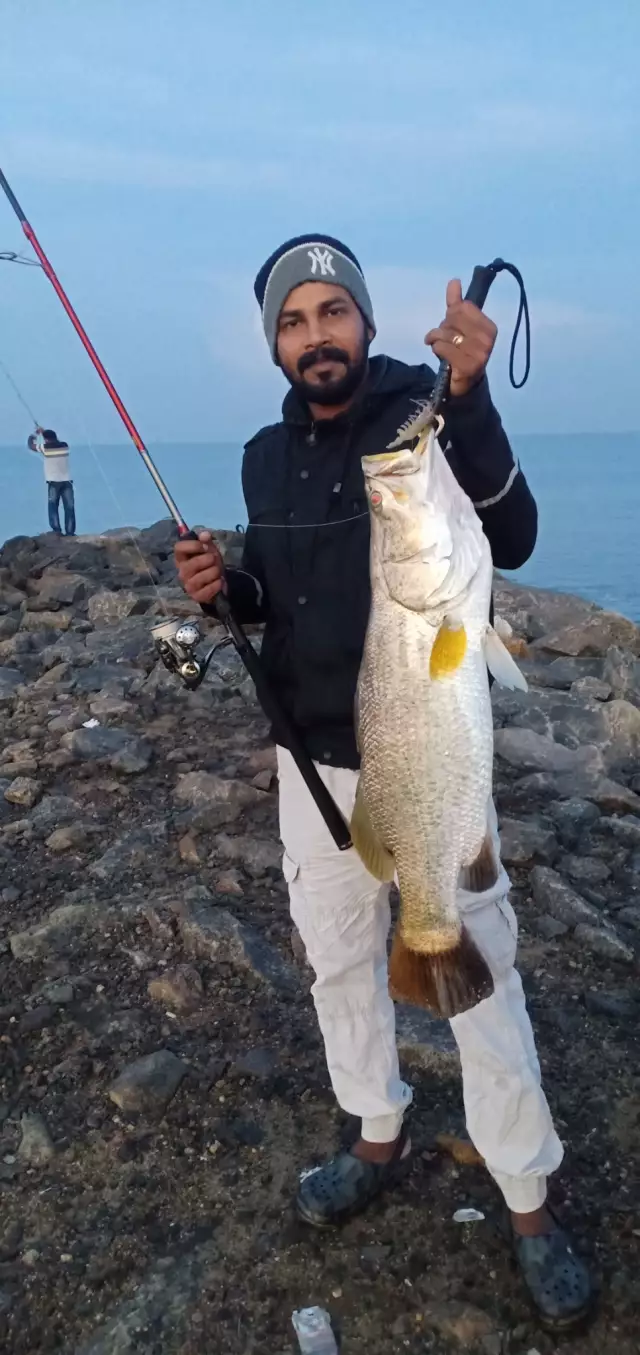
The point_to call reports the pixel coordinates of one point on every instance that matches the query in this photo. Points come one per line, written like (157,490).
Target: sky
(161,149)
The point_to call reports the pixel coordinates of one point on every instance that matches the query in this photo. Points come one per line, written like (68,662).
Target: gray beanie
(307,258)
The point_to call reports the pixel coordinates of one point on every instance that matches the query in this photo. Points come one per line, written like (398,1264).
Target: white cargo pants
(342,914)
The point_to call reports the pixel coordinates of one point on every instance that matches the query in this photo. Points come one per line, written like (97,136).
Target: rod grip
(478,289)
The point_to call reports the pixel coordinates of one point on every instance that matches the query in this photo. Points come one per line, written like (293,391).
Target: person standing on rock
(306,575)
(55,456)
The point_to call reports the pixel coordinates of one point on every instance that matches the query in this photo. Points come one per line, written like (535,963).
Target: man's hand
(200,568)
(465,339)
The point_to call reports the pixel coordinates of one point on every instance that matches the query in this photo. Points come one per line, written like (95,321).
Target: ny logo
(322,260)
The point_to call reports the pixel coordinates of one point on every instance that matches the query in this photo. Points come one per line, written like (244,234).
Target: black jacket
(310,584)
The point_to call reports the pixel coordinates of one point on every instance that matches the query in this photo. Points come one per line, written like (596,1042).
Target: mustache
(326,353)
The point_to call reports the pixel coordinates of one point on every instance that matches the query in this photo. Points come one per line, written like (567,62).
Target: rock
(70,838)
(584,870)
(562,903)
(36,1019)
(530,751)
(563,674)
(522,842)
(460,1322)
(258,1063)
(61,932)
(622,672)
(572,818)
(256,855)
(162,1305)
(211,933)
(124,752)
(106,607)
(36,1146)
(107,707)
(619,1005)
(59,587)
(10,680)
(604,942)
(425,1040)
(548,927)
(148,1084)
(45,620)
(8,626)
(100,675)
(188,850)
(213,799)
(52,812)
(591,688)
(625,830)
(180,989)
(593,636)
(623,728)
(24,791)
(58,993)
(532,612)
(128,639)
(630,916)
(131,851)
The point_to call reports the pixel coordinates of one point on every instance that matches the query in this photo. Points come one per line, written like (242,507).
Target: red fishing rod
(176,641)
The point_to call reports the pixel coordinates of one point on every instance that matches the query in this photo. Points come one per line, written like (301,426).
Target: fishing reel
(176,643)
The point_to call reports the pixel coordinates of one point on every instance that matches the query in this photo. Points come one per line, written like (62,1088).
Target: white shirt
(56,466)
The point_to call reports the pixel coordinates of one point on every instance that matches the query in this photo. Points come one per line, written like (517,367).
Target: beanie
(307,258)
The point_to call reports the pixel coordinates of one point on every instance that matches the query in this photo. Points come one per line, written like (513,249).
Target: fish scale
(424,721)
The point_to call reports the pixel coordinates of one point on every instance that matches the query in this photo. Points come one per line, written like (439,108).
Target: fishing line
(11,256)
(19,394)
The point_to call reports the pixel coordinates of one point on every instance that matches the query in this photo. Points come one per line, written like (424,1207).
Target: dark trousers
(62,489)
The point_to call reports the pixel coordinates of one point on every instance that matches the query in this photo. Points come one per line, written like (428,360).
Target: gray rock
(605,942)
(44,620)
(23,791)
(525,749)
(10,680)
(99,675)
(625,830)
(37,1019)
(159,539)
(106,707)
(128,639)
(215,800)
(36,1147)
(562,903)
(563,673)
(623,729)
(61,933)
(124,752)
(58,993)
(593,636)
(71,837)
(425,1040)
(258,1063)
(162,1306)
(8,626)
(622,672)
(211,933)
(522,842)
(630,916)
(69,649)
(132,851)
(548,927)
(52,812)
(620,1005)
(105,607)
(257,855)
(59,587)
(149,1084)
(532,612)
(584,870)
(572,818)
(180,989)
(591,688)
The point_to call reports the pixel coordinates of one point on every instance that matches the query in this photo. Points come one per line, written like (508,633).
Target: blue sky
(162,149)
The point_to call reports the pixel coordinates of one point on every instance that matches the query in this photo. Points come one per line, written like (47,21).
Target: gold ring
(458,339)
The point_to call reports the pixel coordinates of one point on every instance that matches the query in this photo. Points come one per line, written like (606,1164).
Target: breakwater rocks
(161,1075)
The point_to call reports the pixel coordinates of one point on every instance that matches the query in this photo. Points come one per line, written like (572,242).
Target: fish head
(411,540)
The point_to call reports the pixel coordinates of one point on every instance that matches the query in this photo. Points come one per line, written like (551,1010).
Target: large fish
(423,717)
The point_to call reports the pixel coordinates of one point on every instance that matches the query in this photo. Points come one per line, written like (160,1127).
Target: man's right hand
(200,568)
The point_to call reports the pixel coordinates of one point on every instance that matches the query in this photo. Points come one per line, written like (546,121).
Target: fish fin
(482,873)
(449,648)
(372,852)
(448,983)
(500,663)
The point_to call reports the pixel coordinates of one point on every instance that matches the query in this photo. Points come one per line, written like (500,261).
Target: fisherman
(311,586)
(55,456)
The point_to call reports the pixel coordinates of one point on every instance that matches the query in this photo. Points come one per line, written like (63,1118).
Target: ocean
(587,487)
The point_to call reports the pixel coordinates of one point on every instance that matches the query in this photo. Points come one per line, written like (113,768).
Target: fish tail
(482,873)
(447,983)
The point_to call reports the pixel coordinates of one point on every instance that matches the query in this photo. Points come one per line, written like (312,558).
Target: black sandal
(557,1279)
(345,1185)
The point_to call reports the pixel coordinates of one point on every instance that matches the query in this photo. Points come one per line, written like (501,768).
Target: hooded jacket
(306,557)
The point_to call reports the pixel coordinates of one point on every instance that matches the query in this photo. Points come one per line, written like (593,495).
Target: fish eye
(375,498)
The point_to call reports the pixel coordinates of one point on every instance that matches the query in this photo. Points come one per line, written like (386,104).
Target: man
(306,574)
(56,473)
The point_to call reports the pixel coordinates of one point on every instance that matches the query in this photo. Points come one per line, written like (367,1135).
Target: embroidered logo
(321,261)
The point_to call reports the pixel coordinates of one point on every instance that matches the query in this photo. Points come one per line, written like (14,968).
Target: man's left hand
(465,339)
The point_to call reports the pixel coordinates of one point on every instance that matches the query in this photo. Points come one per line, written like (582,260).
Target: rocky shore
(161,1075)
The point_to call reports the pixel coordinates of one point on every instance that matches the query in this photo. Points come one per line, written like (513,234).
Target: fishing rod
(176,641)
(484,275)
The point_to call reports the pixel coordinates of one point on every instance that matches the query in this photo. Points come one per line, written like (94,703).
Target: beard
(332,390)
